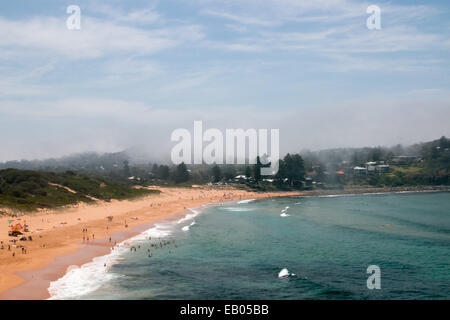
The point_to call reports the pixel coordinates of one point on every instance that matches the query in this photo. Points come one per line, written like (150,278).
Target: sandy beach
(58,240)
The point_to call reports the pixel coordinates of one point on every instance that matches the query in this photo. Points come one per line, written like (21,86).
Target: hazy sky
(139,69)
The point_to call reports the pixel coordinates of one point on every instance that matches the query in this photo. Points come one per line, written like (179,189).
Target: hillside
(29,190)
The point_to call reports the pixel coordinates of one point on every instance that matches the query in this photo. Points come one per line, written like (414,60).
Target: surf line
(193,310)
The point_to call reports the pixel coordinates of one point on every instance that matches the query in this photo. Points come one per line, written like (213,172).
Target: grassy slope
(30,190)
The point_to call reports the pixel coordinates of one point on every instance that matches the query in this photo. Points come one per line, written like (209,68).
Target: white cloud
(136,68)
(187,81)
(344,39)
(341,30)
(141,16)
(97,38)
(19,83)
(10,89)
(237,28)
(112,63)
(247,20)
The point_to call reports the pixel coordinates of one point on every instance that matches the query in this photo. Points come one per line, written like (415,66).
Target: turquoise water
(235,251)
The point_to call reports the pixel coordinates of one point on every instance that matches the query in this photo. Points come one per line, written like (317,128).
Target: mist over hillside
(141,156)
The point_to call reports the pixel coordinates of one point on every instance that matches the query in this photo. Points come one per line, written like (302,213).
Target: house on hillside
(371,167)
(358,171)
(241,178)
(383,168)
(308,182)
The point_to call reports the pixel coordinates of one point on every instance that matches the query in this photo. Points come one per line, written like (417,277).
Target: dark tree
(155,169)
(229,173)
(257,169)
(248,171)
(181,173)
(126,168)
(291,168)
(216,173)
(163,172)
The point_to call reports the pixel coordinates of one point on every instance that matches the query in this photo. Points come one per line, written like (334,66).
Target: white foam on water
(237,209)
(79,281)
(246,201)
(283,212)
(83,280)
(329,196)
(283,273)
(189,216)
(186,228)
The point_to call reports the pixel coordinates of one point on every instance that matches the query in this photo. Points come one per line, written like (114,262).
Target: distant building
(308,182)
(371,167)
(240,178)
(376,167)
(383,168)
(357,171)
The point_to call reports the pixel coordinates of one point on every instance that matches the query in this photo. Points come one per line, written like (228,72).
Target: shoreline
(37,282)
(381,190)
(27,277)
(32,282)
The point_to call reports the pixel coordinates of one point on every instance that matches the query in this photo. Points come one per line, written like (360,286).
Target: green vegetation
(291,171)
(216,173)
(181,173)
(29,190)
(419,164)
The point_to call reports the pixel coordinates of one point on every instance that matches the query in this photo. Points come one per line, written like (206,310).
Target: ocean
(239,250)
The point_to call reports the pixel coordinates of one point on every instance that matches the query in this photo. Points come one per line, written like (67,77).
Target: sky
(137,70)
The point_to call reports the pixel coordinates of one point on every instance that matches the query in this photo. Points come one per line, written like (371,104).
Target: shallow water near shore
(237,250)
